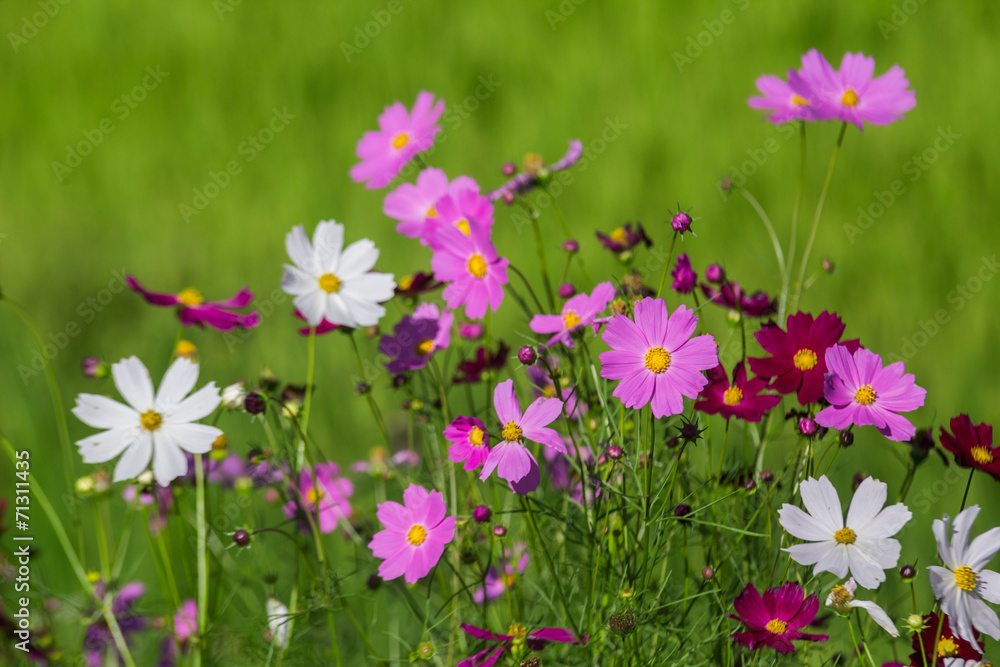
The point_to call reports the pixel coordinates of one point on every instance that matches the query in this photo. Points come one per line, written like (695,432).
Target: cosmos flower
(415,534)
(798,355)
(942,649)
(470,443)
(517,634)
(528,180)
(473,370)
(964,583)
(731,295)
(656,359)
(413,204)
(683,275)
(863,393)
(861,545)
(471,266)
(787,100)
(622,239)
(578,312)
(326,500)
(325,325)
(158,427)
(458,209)
(401,135)
(842,599)
(416,337)
(194,310)
(972,445)
(185,628)
(740,398)
(503,575)
(335,283)
(775,619)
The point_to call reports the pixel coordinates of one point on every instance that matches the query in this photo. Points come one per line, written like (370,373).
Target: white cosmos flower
(333,282)
(842,599)
(150,426)
(961,662)
(277,622)
(862,545)
(964,584)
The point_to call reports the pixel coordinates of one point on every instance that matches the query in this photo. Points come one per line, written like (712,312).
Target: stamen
(150,420)
(511,432)
(329,283)
(416,535)
(805,359)
(657,359)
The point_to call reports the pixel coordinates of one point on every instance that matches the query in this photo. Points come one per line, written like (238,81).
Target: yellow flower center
(799,101)
(477,266)
(329,283)
(186,349)
(840,598)
(315,495)
(777,626)
(517,631)
(476,437)
(508,579)
(865,395)
(425,347)
(619,236)
(805,359)
(982,455)
(850,98)
(191,297)
(511,432)
(571,319)
(220,442)
(549,390)
(732,396)
(432,212)
(463,226)
(845,536)
(947,647)
(657,359)
(150,420)
(965,578)
(405,282)
(400,140)
(416,535)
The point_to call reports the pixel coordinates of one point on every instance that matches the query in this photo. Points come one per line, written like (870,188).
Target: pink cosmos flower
(791,100)
(416,338)
(415,534)
(470,442)
(576,314)
(511,563)
(509,457)
(195,310)
(775,619)
(655,357)
(853,94)
(400,137)
(740,398)
(458,208)
(185,628)
(861,392)
(535,641)
(327,498)
(469,262)
(528,180)
(414,205)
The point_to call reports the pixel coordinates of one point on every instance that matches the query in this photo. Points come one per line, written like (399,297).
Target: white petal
(942,581)
(988,585)
(982,549)
(297,282)
(866,503)
(132,380)
(339,311)
(169,461)
(195,438)
(365,313)
(940,528)
(135,459)
(984,618)
(802,525)
(102,412)
(106,445)
(821,500)
(814,552)
(358,258)
(177,383)
(196,406)
(298,247)
(867,560)
(878,615)
(960,532)
(328,240)
(370,287)
(887,523)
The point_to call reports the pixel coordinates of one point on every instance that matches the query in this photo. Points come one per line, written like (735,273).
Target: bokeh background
(673,78)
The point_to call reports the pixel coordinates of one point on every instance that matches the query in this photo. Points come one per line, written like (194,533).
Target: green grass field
(163,96)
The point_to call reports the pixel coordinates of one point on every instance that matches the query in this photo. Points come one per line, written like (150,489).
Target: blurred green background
(673,76)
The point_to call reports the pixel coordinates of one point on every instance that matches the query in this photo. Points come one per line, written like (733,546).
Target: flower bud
(241,538)
(571,246)
(94,368)
(233,396)
(828,265)
(846,438)
(766,476)
(508,198)
(481,513)
(363,388)
(509,168)
(566,290)
(526,355)
(908,573)
(707,573)
(614,452)
(186,349)
(254,403)
(807,426)
(499,531)
(714,273)
(681,222)
(682,510)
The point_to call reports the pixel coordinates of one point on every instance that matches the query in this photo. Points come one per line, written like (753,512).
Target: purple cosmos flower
(327,498)
(791,100)
(400,137)
(730,295)
(972,445)
(861,392)
(624,238)
(193,309)
(413,205)
(655,357)
(415,534)
(509,457)
(853,94)
(471,266)
(775,619)
(472,370)
(528,180)
(458,209)
(416,338)
(740,398)
(511,563)
(535,641)
(798,356)
(681,222)
(576,314)
(470,442)
(543,385)
(98,639)
(683,275)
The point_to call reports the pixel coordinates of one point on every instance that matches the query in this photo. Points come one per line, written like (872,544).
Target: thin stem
(199,477)
(968,484)
(540,542)
(783,300)
(666,267)
(542,262)
(762,214)
(368,394)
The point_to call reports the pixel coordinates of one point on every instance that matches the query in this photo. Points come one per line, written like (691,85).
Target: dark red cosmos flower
(925,652)
(624,238)
(775,619)
(412,286)
(193,309)
(972,445)
(798,356)
(535,641)
(471,370)
(740,398)
(730,295)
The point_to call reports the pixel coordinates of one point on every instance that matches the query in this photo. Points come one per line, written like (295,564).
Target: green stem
(783,300)
(543,263)
(762,214)
(202,524)
(666,267)
(376,414)
(540,543)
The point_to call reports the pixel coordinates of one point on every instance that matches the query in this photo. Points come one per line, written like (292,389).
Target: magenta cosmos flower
(861,392)
(401,135)
(195,310)
(684,276)
(471,266)
(486,361)
(415,338)
(325,500)
(624,238)
(786,100)
(853,94)
(415,534)
(655,357)
(576,314)
(458,209)
(469,442)
(798,356)
(740,398)
(413,204)
(516,633)
(731,295)
(775,619)
(509,457)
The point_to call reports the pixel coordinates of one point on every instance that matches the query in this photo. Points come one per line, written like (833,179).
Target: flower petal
(134,383)
(103,412)
(135,459)
(177,382)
